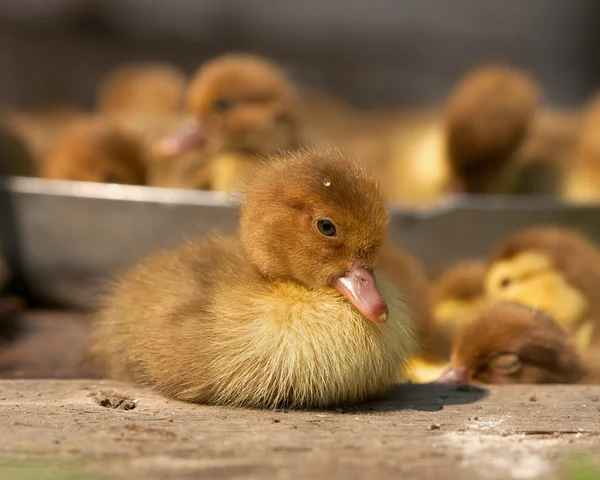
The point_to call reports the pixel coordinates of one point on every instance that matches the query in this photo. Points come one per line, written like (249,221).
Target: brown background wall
(376,52)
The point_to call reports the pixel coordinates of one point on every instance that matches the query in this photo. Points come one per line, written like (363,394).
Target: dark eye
(223,104)
(505,282)
(327,228)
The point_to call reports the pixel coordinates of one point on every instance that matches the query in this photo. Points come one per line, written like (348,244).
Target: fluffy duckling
(554,269)
(286,313)
(511,343)
(455,297)
(240,107)
(583,181)
(98,150)
(487,117)
(154,88)
(283,285)
(15,156)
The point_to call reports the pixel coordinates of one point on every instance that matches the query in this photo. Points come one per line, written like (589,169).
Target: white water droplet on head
(326,182)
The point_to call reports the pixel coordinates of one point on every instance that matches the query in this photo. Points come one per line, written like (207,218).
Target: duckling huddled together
(492,134)
(310,304)
(528,314)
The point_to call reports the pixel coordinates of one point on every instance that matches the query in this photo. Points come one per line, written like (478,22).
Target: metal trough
(63,238)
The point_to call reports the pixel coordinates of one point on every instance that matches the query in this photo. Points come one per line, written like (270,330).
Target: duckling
(98,150)
(487,117)
(511,343)
(152,88)
(583,180)
(240,106)
(456,296)
(15,156)
(285,313)
(554,269)
(428,360)
(41,129)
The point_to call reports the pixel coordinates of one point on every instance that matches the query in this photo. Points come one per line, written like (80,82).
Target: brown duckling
(153,88)
(583,180)
(286,313)
(456,296)
(553,269)
(488,116)
(239,107)
(98,150)
(410,279)
(512,343)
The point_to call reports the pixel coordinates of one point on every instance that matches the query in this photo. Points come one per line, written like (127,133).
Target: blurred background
(376,53)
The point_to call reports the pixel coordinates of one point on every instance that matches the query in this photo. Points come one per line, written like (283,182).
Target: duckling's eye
(327,228)
(505,282)
(506,363)
(223,104)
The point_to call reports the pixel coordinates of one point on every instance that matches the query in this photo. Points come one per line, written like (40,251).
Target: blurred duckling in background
(511,343)
(41,129)
(15,156)
(583,182)
(98,150)
(430,356)
(553,269)
(240,107)
(489,117)
(455,297)
(286,313)
(150,88)
(10,305)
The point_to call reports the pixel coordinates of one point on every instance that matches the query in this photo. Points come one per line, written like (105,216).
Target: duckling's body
(456,296)
(583,180)
(142,88)
(253,320)
(98,150)
(489,115)
(250,342)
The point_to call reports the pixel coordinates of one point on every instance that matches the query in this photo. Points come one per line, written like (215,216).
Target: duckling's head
(97,150)
(142,88)
(237,102)
(319,218)
(487,116)
(511,343)
(551,268)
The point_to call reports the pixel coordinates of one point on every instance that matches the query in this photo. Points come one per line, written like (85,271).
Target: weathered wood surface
(424,432)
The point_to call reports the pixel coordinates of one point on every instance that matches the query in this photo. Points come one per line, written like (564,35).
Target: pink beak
(454,376)
(359,288)
(188,136)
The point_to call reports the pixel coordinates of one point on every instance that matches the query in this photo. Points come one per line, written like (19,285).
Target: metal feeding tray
(62,239)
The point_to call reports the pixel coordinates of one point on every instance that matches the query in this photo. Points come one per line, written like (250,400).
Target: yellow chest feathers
(291,346)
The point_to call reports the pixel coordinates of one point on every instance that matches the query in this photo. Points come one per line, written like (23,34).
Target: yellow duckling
(553,269)
(285,313)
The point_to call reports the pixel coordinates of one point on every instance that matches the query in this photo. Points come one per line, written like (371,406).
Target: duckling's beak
(454,376)
(188,136)
(359,288)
